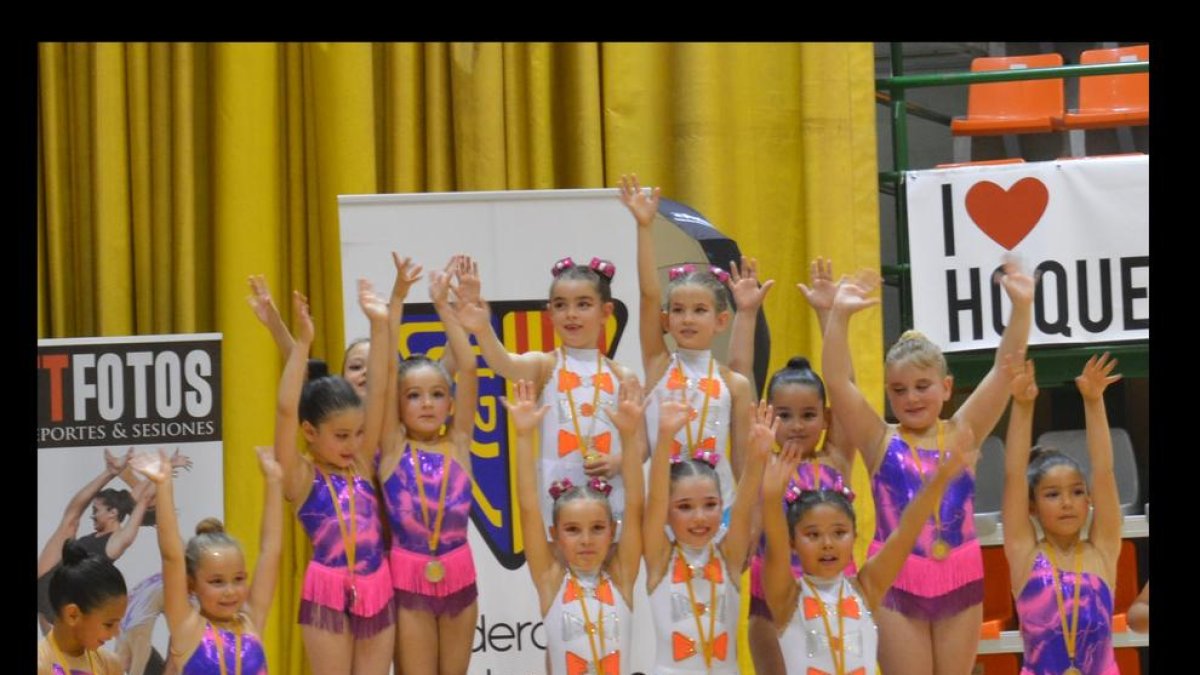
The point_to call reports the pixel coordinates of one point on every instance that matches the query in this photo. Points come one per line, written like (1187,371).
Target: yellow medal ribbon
(62,660)
(435,535)
(940,547)
(1070,633)
(837,646)
(237,648)
(584,444)
(588,627)
(706,646)
(693,442)
(348,539)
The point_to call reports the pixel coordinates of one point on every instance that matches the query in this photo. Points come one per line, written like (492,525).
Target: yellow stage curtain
(168,173)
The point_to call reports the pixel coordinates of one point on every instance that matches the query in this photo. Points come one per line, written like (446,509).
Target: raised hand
(631,407)
(820,295)
(375,307)
(1024,383)
(154,465)
(407,274)
(116,463)
(260,299)
(271,470)
(851,297)
(523,407)
(743,284)
(762,433)
(779,471)
(476,317)
(180,461)
(1019,285)
(306,330)
(439,288)
(672,415)
(466,272)
(1096,376)
(642,207)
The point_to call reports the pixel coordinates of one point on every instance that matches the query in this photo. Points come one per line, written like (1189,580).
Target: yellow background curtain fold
(168,173)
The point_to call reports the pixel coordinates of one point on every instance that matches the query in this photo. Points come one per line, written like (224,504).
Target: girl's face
(355,367)
(916,394)
(824,541)
(425,402)
(583,532)
(577,313)
(695,510)
(337,438)
(692,317)
(104,517)
(802,415)
(1060,501)
(220,583)
(92,629)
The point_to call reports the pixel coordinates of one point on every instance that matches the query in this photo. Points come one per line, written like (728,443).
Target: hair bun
(912,334)
(317,368)
(73,553)
(799,363)
(209,526)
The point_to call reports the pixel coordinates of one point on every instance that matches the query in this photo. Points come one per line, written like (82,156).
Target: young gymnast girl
(426,478)
(576,380)
(1063,582)
(826,619)
(221,632)
(87,595)
(930,619)
(584,579)
(346,611)
(693,578)
(696,309)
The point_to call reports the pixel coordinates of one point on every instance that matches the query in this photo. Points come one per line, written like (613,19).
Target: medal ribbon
(912,449)
(237,649)
(595,398)
(348,540)
(837,646)
(435,532)
(706,646)
(1071,633)
(694,442)
(588,627)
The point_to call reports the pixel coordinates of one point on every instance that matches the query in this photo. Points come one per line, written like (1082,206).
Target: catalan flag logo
(523,326)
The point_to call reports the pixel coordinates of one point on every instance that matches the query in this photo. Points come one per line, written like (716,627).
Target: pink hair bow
(604,268)
(562,266)
(559,487)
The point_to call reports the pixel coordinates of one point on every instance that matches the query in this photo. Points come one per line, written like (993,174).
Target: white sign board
(1082,225)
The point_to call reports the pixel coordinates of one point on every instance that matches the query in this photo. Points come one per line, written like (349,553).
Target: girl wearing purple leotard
(346,610)
(426,478)
(929,621)
(1063,582)
(219,633)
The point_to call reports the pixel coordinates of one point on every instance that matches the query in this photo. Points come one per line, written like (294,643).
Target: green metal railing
(1055,364)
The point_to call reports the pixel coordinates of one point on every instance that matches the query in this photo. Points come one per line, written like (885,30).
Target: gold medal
(941,550)
(1072,671)
(435,571)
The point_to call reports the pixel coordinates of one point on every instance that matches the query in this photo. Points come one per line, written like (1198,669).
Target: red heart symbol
(1007,216)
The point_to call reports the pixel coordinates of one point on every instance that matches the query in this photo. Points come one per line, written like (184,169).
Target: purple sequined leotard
(206,660)
(928,588)
(410,554)
(1042,627)
(331,593)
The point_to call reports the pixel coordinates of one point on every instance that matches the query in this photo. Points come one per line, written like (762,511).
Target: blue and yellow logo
(523,326)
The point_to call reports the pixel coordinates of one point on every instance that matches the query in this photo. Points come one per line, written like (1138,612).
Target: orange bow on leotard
(568,380)
(609,665)
(683,646)
(682,572)
(710,386)
(848,609)
(569,442)
(603,592)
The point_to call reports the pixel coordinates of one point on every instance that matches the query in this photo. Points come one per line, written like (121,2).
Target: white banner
(143,393)
(1082,225)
